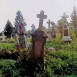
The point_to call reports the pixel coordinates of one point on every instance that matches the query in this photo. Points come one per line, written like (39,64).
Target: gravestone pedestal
(3,36)
(38,41)
(66,39)
(53,33)
(22,41)
(49,36)
(66,36)
(16,40)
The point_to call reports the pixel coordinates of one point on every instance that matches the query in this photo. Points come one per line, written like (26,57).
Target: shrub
(62,63)
(8,68)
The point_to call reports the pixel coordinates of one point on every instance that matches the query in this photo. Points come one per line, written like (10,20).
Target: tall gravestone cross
(20,27)
(49,31)
(53,30)
(66,35)
(39,39)
(42,17)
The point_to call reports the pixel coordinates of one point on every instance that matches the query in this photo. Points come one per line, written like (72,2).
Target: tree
(74,20)
(19,21)
(8,29)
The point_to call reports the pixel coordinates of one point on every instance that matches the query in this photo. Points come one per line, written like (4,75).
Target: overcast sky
(30,8)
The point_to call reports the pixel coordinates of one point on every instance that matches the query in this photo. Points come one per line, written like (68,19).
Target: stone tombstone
(66,34)
(38,40)
(22,38)
(20,29)
(49,31)
(3,36)
(53,30)
(16,39)
(22,41)
(33,28)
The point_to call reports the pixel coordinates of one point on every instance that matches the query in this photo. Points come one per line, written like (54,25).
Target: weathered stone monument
(53,30)
(22,38)
(42,17)
(16,40)
(33,29)
(49,31)
(3,36)
(20,27)
(39,39)
(66,34)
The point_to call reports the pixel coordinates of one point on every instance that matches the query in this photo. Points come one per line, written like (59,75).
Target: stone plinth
(22,41)
(38,41)
(66,39)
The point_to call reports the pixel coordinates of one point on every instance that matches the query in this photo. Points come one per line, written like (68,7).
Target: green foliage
(7,46)
(7,68)
(62,63)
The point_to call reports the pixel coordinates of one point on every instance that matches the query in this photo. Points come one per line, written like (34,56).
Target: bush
(7,46)
(8,69)
(62,63)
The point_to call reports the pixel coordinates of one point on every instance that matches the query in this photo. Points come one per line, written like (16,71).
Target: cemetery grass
(61,62)
(7,46)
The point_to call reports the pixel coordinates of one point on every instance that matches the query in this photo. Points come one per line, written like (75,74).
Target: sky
(30,8)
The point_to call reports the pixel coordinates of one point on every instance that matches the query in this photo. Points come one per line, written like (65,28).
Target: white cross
(41,17)
(64,17)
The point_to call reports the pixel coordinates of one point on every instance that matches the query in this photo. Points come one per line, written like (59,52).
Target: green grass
(7,46)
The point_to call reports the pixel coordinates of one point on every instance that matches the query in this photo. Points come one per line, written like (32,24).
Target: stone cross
(64,17)
(53,30)
(66,33)
(49,22)
(41,17)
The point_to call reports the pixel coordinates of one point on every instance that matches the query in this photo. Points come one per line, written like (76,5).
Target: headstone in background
(3,36)
(11,36)
(39,39)
(20,27)
(22,38)
(66,33)
(53,30)
(33,28)
(16,40)
(49,31)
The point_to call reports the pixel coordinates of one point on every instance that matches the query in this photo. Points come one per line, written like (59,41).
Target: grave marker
(53,30)
(20,27)
(33,28)
(66,34)
(3,36)
(49,31)
(41,17)
(39,39)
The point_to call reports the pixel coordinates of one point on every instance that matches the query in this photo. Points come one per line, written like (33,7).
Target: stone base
(66,39)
